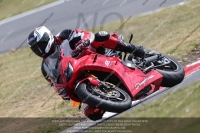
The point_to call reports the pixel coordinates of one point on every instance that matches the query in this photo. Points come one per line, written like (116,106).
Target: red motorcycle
(110,82)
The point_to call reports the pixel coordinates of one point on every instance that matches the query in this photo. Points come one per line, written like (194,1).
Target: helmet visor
(39,49)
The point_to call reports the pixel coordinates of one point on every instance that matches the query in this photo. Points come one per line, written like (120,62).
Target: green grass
(10,8)
(24,93)
(23,90)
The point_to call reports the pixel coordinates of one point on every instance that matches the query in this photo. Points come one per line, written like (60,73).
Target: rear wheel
(112,99)
(172,71)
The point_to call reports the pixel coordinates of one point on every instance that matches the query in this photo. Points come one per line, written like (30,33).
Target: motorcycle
(112,81)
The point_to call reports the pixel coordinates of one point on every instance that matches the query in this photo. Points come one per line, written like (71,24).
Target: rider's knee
(102,36)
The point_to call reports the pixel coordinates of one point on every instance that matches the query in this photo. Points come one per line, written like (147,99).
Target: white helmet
(40,41)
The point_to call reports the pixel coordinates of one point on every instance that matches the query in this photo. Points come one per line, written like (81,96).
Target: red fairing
(63,66)
(86,51)
(134,80)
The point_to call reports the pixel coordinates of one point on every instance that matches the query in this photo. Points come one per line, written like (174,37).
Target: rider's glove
(82,44)
(79,47)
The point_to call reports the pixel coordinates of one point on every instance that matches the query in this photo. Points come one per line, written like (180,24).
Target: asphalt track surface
(65,14)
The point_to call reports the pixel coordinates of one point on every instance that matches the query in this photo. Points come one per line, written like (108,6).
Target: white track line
(160,9)
(109,114)
(194,63)
(32,11)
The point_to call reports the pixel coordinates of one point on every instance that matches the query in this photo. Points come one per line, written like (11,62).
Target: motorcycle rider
(43,43)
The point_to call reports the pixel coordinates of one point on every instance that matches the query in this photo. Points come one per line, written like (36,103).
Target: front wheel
(113,99)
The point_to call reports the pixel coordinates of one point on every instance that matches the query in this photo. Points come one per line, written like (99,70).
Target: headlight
(69,71)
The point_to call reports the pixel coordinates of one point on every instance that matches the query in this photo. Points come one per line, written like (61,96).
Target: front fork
(93,80)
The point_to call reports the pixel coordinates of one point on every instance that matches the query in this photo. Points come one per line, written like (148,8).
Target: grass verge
(10,8)
(24,92)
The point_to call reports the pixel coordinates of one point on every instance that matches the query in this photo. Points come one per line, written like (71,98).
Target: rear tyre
(173,73)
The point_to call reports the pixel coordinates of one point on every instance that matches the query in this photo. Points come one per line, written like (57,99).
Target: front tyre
(112,100)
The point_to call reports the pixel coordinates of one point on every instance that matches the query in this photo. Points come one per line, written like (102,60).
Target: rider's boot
(130,48)
(112,41)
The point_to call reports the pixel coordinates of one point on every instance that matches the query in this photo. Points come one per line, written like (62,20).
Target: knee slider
(102,36)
